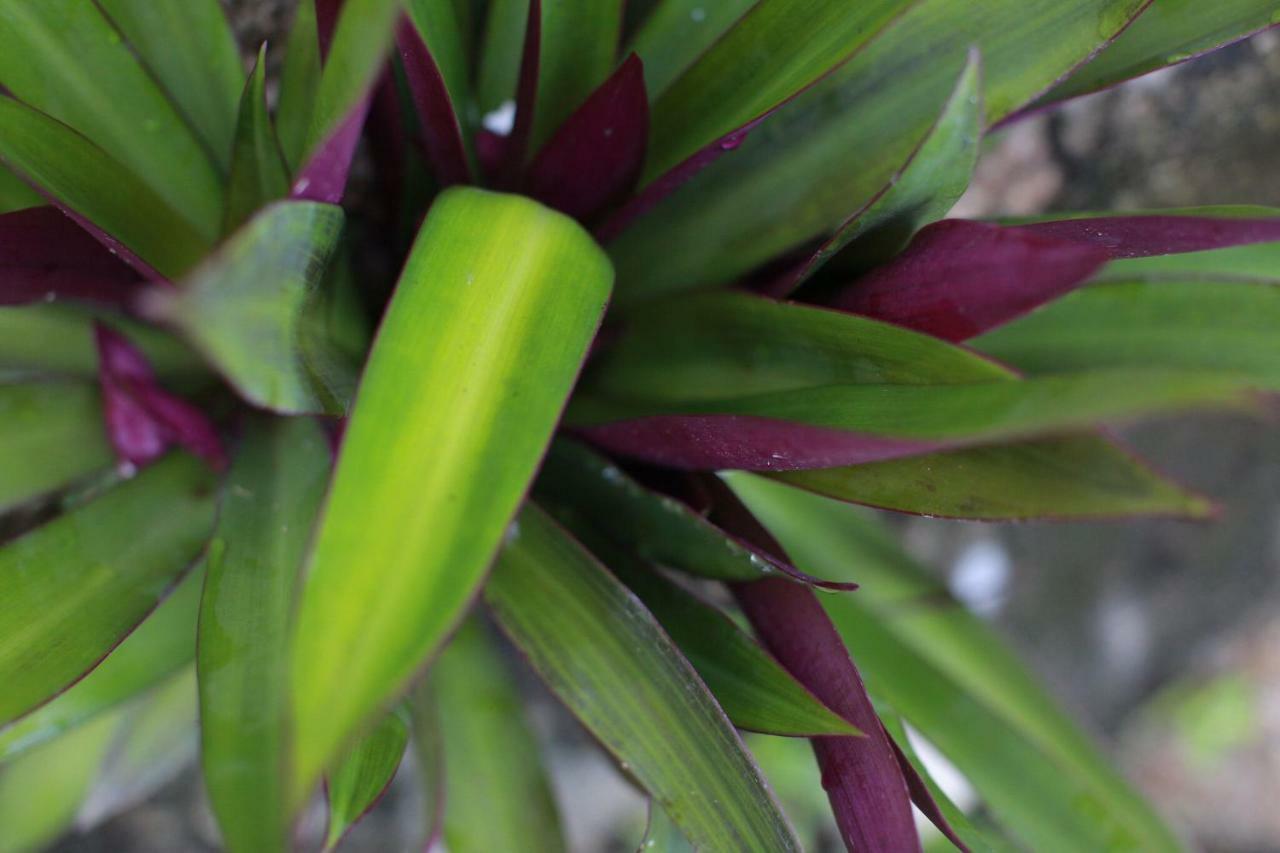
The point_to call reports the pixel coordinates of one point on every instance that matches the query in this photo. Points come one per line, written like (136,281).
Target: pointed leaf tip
(596,156)
(441,130)
(142,419)
(959,278)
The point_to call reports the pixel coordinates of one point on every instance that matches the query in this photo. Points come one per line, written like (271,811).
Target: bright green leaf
(299,81)
(66,59)
(154,651)
(497,796)
(189,48)
(952,679)
(270,500)
(677,32)
(476,354)
(245,307)
(607,659)
(51,434)
(363,774)
(86,179)
(76,586)
(258,171)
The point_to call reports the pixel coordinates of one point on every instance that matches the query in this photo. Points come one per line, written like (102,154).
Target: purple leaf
(327,12)
(441,131)
(744,442)
(45,255)
(923,797)
(864,782)
(959,278)
(1143,236)
(324,176)
(516,146)
(595,157)
(143,420)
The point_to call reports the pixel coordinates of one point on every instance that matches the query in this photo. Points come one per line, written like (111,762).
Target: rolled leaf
(441,128)
(953,680)
(501,51)
(958,278)
(364,774)
(497,795)
(490,322)
(272,494)
(57,621)
(50,436)
(188,47)
(654,526)
(1168,32)
(676,33)
(100,194)
(605,657)
(45,256)
(595,157)
(829,151)
(258,171)
(1222,326)
(1076,478)
(66,59)
(245,307)
(155,650)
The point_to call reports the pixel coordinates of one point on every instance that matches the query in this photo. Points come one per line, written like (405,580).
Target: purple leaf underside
(142,419)
(1144,236)
(324,176)
(441,132)
(595,158)
(45,255)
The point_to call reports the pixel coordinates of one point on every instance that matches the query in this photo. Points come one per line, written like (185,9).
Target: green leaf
(363,774)
(827,153)
(57,340)
(41,792)
(299,81)
(427,742)
(1258,263)
(952,679)
(1169,32)
(475,357)
(155,650)
(662,835)
(442,25)
(502,48)
(1227,326)
(1079,477)
(78,585)
(929,183)
(360,46)
(64,58)
(16,194)
(51,434)
(258,171)
(677,32)
(755,691)
(89,181)
(653,526)
(156,742)
(607,659)
(271,498)
(577,51)
(245,307)
(764,58)
(188,46)
(497,795)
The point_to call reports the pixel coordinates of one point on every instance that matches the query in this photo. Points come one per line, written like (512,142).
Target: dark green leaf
(51,435)
(189,48)
(663,836)
(502,47)
(258,171)
(677,32)
(607,659)
(497,796)
(16,194)
(66,59)
(76,587)
(476,354)
(577,51)
(270,500)
(299,80)
(363,774)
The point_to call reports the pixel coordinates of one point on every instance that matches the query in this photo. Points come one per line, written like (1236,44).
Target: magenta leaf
(143,420)
(595,157)
(923,797)
(324,176)
(327,12)
(959,278)
(442,134)
(706,442)
(869,795)
(1141,236)
(45,255)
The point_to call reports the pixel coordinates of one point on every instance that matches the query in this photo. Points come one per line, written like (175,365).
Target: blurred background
(1162,638)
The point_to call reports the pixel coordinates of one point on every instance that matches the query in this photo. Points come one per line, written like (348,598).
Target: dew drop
(698,14)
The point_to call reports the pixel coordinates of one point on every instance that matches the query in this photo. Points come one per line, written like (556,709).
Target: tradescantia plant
(676,292)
